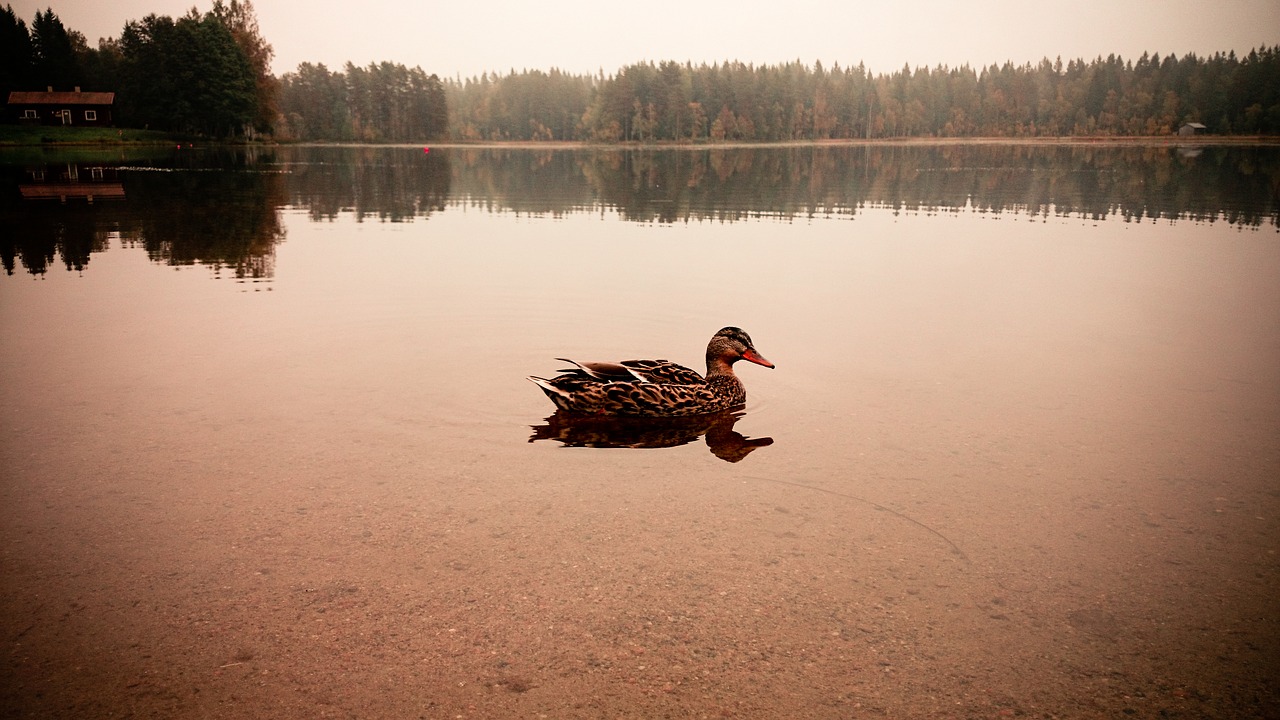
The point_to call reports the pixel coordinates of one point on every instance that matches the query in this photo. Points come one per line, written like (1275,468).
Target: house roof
(61,98)
(1197,126)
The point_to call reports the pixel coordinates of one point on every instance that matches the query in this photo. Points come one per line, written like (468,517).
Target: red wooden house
(92,109)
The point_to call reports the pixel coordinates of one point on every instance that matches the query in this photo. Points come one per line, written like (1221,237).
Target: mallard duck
(655,387)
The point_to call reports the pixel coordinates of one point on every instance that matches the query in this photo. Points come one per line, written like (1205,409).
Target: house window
(95,173)
(30,115)
(91,115)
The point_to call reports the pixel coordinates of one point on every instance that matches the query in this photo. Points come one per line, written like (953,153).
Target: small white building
(1191,129)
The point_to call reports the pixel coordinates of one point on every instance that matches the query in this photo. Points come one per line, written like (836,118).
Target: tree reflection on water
(222,208)
(218,211)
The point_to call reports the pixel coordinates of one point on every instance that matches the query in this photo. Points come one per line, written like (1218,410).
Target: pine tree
(54,61)
(15,53)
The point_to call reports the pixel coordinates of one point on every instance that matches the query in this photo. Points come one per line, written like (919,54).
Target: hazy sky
(450,38)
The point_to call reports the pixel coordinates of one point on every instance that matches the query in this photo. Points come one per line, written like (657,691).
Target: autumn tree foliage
(735,101)
(382,102)
(186,75)
(240,19)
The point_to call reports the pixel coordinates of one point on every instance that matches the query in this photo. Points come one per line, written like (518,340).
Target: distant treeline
(740,102)
(385,102)
(209,73)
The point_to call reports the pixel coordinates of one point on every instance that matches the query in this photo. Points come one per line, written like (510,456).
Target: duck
(655,388)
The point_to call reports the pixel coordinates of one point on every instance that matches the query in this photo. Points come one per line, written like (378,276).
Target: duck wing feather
(601,371)
(663,372)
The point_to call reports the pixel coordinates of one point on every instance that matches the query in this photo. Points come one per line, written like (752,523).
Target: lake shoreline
(21,136)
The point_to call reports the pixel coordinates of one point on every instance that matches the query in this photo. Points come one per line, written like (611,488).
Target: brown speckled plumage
(656,387)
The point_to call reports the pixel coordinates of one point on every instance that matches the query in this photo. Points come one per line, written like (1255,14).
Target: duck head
(730,345)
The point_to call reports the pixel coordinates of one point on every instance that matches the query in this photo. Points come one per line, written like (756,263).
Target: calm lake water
(268,444)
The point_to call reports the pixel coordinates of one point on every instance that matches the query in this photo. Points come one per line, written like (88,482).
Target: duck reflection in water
(603,431)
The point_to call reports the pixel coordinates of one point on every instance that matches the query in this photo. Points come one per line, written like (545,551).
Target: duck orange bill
(755,357)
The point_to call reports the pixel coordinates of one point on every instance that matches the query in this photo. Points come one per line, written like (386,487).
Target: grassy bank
(11,135)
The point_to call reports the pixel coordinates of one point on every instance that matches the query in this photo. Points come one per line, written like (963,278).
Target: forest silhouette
(150,65)
(734,101)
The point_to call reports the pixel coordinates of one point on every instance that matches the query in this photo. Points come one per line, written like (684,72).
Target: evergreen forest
(209,74)
(206,74)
